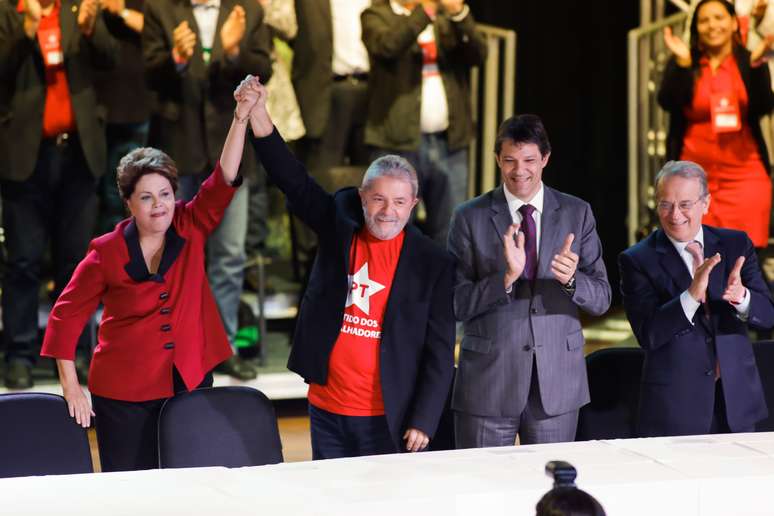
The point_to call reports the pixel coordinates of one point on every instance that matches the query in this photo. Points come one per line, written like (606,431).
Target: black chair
(38,437)
(764,357)
(221,426)
(614,382)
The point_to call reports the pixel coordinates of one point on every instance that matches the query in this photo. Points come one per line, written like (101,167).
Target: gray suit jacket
(504,331)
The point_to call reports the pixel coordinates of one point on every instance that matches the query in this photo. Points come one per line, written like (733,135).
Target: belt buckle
(61,139)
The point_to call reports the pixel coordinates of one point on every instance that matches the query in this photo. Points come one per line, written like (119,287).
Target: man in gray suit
(528,257)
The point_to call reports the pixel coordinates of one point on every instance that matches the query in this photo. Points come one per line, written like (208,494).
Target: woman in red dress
(716,91)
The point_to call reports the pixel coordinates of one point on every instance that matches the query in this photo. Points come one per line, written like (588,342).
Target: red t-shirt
(354,383)
(58,115)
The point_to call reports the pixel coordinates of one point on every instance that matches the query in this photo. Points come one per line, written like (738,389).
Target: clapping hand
(233,30)
(735,290)
(515,255)
(32,14)
(87,16)
(184,41)
(698,288)
(678,47)
(564,264)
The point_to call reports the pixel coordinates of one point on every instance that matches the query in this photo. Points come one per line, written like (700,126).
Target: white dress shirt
(514,203)
(349,54)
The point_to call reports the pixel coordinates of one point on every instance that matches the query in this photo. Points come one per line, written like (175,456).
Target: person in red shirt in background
(716,92)
(52,150)
(160,331)
(375,335)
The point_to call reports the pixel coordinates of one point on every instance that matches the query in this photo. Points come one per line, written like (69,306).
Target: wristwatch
(570,285)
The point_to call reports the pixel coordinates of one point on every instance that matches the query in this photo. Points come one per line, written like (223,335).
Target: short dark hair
(568,501)
(523,129)
(141,162)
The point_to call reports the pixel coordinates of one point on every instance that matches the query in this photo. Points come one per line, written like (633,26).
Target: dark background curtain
(571,71)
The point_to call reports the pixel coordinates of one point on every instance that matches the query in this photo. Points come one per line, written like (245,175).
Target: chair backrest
(38,437)
(764,357)
(614,384)
(220,426)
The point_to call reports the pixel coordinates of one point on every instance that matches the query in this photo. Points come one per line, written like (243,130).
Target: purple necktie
(530,247)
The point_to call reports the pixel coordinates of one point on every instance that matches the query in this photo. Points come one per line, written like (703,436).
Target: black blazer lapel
(68,23)
(712,245)
(672,264)
(550,239)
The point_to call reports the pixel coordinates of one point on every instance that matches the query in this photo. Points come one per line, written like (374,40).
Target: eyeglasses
(683,206)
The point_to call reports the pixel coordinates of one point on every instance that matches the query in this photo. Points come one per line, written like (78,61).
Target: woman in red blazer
(160,331)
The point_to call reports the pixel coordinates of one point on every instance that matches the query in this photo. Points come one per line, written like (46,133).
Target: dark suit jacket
(416,360)
(678,378)
(150,321)
(395,80)
(193,108)
(312,63)
(676,93)
(23,89)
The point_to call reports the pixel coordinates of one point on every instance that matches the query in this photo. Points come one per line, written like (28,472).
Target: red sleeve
(209,204)
(75,306)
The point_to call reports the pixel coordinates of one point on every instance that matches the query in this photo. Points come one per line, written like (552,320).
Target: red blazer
(150,322)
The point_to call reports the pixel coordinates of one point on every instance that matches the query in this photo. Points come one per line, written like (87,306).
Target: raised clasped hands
(515,255)
(735,290)
(260,121)
(246,98)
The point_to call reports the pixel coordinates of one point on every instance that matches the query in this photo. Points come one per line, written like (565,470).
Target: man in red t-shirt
(375,335)
(52,149)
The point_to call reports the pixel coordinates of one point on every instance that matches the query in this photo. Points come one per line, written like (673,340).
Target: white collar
(680,246)
(397,8)
(514,203)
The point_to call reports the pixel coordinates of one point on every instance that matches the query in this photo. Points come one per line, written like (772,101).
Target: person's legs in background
(121,139)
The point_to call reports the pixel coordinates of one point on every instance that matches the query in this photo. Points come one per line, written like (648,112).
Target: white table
(708,475)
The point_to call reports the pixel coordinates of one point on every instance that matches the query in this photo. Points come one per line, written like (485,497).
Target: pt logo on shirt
(361,289)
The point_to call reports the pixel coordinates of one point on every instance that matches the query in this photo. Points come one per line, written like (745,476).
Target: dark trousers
(56,204)
(127,431)
(121,139)
(335,436)
(342,141)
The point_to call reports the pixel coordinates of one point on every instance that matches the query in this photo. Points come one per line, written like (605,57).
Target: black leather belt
(352,77)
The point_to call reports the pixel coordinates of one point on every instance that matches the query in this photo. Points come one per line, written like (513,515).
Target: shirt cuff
(461,15)
(689,304)
(743,308)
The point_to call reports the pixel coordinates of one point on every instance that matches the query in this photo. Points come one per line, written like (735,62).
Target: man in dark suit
(375,335)
(330,73)
(521,366)
(691,292)
(52,149)
(419,97)
(196,53)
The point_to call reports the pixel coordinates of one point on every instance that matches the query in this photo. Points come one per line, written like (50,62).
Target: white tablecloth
(708,475)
